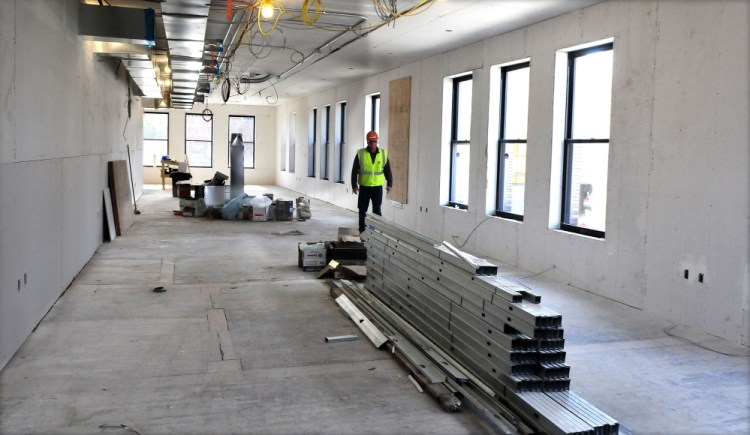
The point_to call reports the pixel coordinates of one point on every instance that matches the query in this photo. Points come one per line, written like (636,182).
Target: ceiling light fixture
(167,69)
(267,9)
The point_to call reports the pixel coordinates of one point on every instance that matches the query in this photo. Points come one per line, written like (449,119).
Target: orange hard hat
(372,136)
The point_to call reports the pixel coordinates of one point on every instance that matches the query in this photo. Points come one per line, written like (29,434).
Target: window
(586,144)
(284,142)
(199,140)
(155,137)
(244,125)
(339,163)
(313,133)
(374,113)
(511,152)
(292,142)
(324,142)
(460,144)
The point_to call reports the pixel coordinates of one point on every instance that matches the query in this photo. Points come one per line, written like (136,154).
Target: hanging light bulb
(266,9)
(167,69)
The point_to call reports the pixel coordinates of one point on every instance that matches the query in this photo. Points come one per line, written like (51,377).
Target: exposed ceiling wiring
(307,5)
(259,39)
(390,11)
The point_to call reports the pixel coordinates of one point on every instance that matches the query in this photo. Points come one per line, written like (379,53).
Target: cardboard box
(260,214)
(312,255)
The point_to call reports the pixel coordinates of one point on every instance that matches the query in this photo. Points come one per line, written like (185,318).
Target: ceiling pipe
(238,23)
(361,20)
(285,75)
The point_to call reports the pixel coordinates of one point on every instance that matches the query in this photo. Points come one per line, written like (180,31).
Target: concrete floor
(236,345)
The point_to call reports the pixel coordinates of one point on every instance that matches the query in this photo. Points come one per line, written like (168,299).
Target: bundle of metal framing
(494,328)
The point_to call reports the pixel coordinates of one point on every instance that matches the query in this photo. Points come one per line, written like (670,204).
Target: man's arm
(388,175)
(355,172)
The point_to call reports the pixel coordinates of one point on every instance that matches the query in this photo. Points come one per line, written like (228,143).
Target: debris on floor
(329,269)
(294,232)
(213,202)
(340,338)
(341,258)
(119,426)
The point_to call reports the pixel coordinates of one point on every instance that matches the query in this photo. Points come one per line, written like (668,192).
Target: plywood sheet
(109,215)
(122,200)
(399,111)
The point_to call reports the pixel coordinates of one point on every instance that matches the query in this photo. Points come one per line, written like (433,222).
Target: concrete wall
(678,187)
(265,143)
(62,118)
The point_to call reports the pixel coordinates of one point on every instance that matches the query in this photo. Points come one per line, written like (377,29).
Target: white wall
(62,118)
(678,183)
(265,143)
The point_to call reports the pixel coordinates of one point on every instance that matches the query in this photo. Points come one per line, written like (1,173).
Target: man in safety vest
(370,172)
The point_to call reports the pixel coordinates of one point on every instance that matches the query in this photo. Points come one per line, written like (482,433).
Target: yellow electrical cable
(275,3)
(306,18)
(410,12)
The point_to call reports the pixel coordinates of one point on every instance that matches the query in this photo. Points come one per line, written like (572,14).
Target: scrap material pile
(496,330)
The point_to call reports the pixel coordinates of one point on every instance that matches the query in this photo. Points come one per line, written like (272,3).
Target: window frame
(244,142)
(312,142)
(342,143)
(569,142)
(375,113)
(325,141)
(211,142)
(164,140)
(502,141)
(292,164)
(454,142)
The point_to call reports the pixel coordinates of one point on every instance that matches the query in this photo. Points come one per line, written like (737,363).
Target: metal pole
(132,186)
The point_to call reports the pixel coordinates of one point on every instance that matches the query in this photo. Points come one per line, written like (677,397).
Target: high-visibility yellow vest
(371,173)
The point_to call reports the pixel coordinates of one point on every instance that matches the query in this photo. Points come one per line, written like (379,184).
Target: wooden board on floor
(109,216)
(122,200)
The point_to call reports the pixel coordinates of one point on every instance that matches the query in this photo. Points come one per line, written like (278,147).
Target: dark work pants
(367,194)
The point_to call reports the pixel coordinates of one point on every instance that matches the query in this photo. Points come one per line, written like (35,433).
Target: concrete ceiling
(349,41)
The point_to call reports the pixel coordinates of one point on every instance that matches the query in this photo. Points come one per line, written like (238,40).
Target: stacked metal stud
(496,328)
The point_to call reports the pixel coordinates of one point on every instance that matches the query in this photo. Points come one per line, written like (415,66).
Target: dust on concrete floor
(235,345)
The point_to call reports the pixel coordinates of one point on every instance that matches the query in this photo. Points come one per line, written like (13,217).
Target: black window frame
(342,143)
(502,141)
(211,121)
(312,144)
(570,141)
(165,140)
(325,142)
(244,142)
(454,142)
(375,114)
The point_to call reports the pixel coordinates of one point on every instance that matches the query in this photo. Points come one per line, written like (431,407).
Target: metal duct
(237,170)
(185,24)
(123,33)
(113,24)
